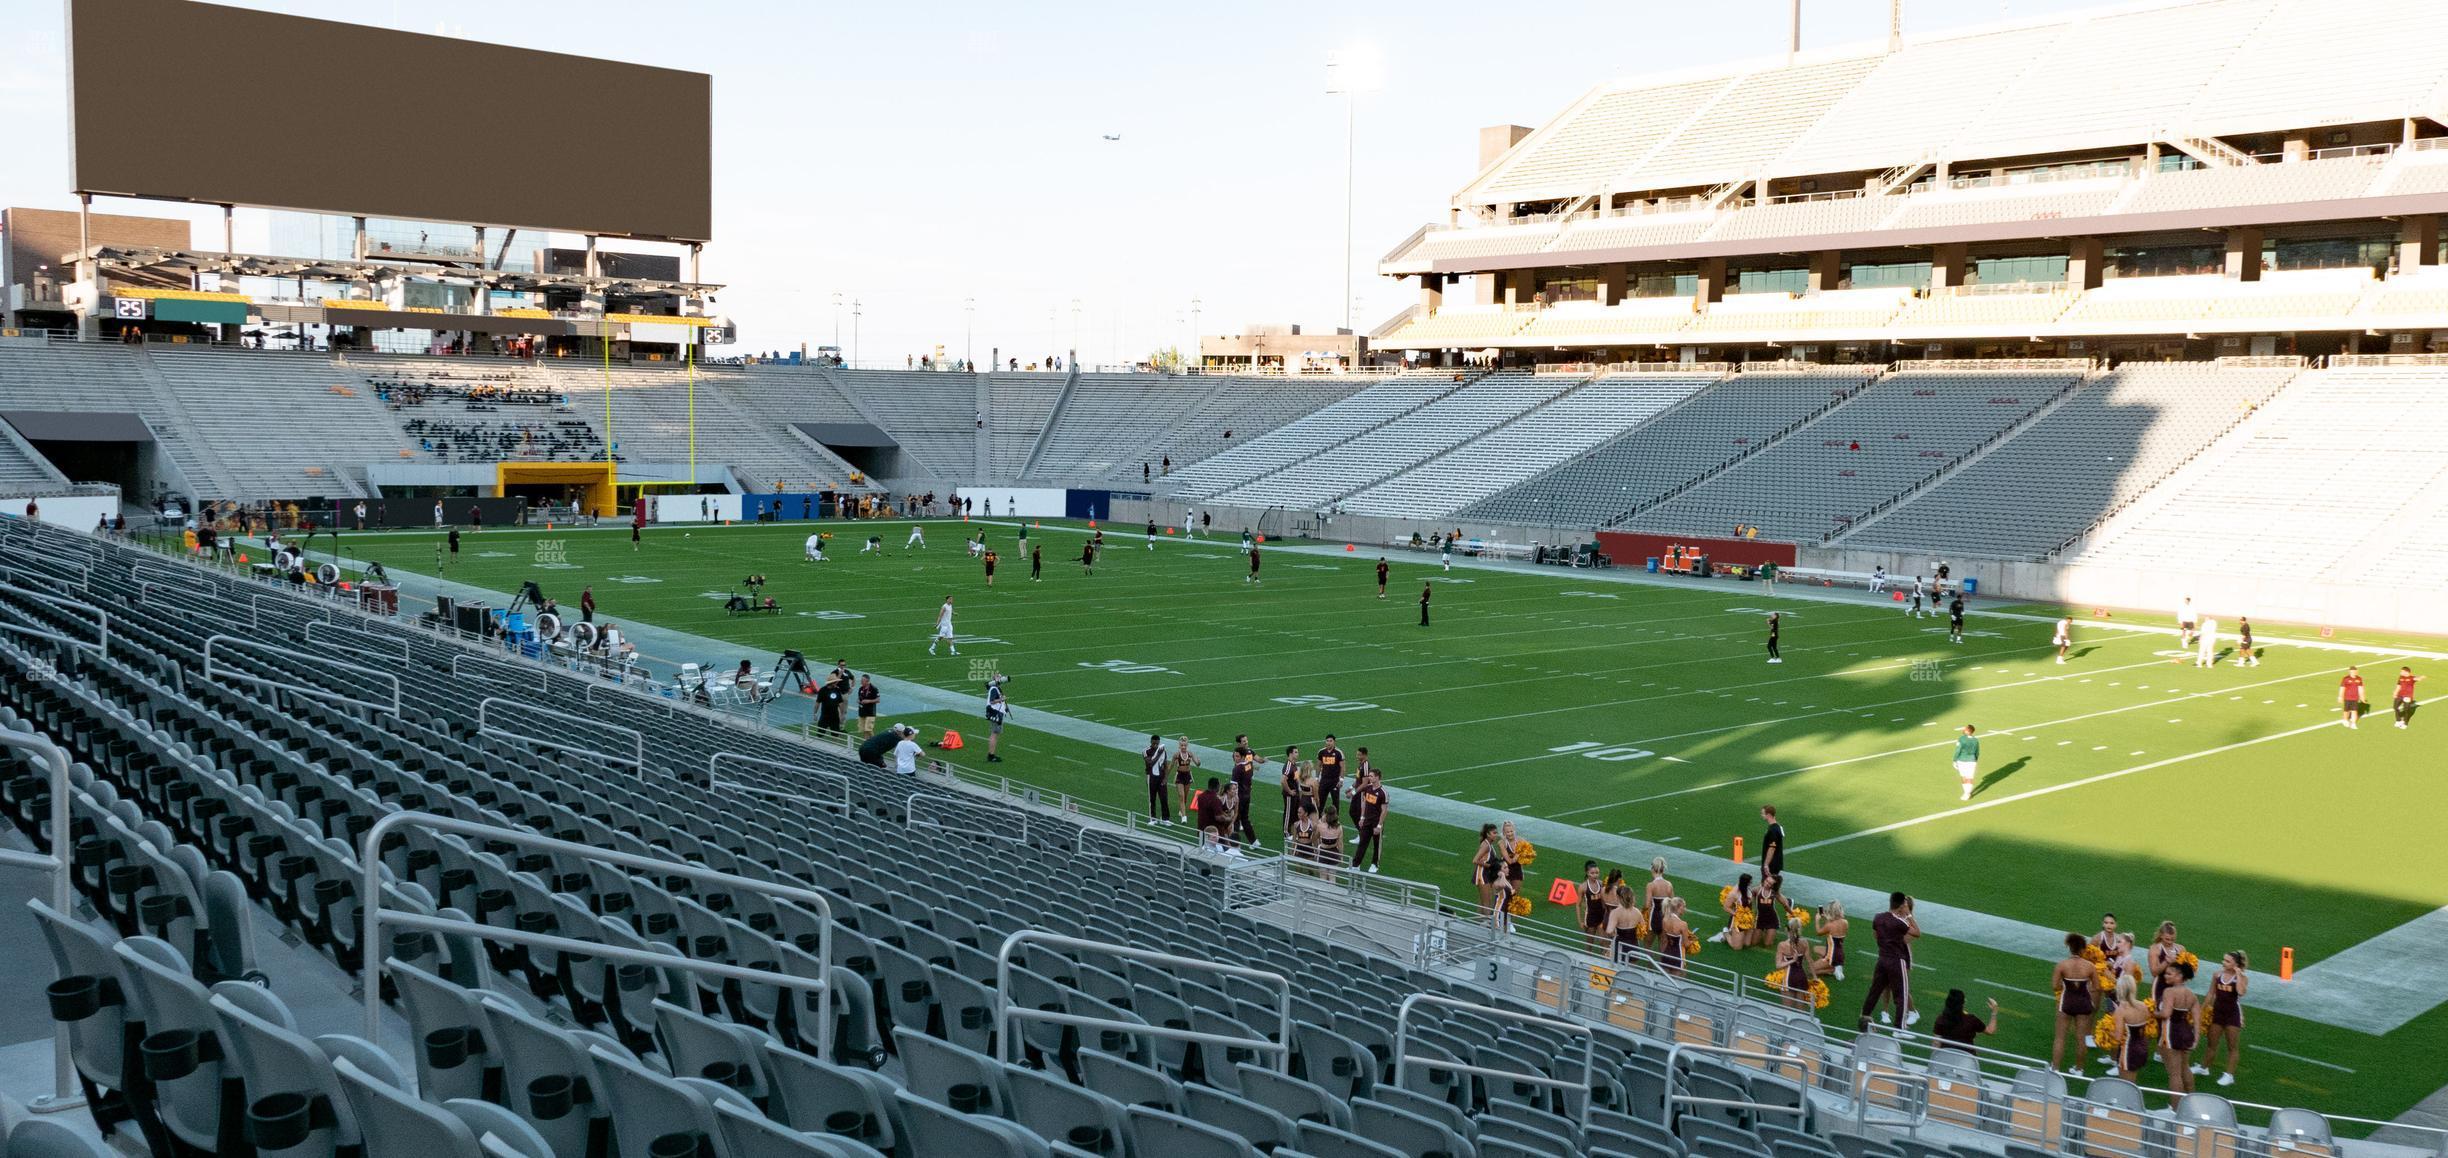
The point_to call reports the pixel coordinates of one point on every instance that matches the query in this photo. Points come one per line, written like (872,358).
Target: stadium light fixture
(1350,72)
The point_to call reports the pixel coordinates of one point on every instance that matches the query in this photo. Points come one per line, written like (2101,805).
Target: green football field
(2228,800)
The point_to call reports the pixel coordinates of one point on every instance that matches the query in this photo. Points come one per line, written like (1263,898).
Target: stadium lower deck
(1486,714)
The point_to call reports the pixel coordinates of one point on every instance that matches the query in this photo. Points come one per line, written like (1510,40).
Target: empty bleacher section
(1540,439)
(1985,135)
(1018,406)
(2142,305)
(1317,479)
(1112,423)
(98,377)
(1980,311)
(1749,124)
(1596,138)
(1774,315)
(1250,459)
(1716,426)
(2329,480)
(933,415)
(22,469)
(2319,179)
(1900,430)
(2111,440)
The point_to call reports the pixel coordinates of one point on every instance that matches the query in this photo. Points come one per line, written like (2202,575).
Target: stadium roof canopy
(2183,74)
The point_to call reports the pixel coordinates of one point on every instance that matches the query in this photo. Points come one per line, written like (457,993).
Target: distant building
(1281,347)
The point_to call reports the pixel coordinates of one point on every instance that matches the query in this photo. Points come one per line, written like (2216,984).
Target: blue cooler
(1971,586)
(1653,565)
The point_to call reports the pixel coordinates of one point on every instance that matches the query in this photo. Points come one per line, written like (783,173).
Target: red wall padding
(1631,549)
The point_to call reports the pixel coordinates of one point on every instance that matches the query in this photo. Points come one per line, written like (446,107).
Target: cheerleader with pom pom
(1509,904)
(1741,920)
(2073,981)
(2177,1033)
(1656,895)
(1793,975)
(2125,1029)
(1624,926)
(1676,940)
(2164,951)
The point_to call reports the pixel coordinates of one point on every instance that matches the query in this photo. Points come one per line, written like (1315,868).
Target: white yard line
(2000,802)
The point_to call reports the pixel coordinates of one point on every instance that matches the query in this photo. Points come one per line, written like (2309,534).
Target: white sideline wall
(692,508)
(75,512)
(1021,502)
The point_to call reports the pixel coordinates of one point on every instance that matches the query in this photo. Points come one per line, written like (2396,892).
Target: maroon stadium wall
(197,102)
(1629,548)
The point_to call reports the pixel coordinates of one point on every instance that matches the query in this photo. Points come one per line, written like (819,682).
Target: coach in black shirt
(1772,845)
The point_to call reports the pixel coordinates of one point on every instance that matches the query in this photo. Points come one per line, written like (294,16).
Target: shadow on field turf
(1999,777)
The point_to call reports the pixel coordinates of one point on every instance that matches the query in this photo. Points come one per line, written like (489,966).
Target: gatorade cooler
(1971,586)
(1653,565)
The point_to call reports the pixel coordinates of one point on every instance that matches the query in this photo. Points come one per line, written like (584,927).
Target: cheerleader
(1794,964)
(1833,926)
(1736,903)
(1506,889)
(1624,927)
(2227,1013)
(1327,843)
(2164,951)
(2113,944)
(1291,786)
(1768,906)
(1509,846)
(2131,1018)
(2177,1008)
(1486,867)
(1596,904)
(1674,937)
(1657,894)
(2072,982)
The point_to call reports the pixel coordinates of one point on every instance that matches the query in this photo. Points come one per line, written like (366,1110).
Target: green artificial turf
(2204,797)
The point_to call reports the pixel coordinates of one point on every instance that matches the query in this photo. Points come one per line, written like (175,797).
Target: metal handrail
(1003,831)
(487,728)
(101,617)
(1669,1099)
(307,690)
(544,683)
(63,1095)
(1008,1014)
(370,900)
(355,646)
(714,781)
(1403,1058)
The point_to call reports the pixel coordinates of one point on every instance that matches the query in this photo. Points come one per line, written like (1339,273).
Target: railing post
(63,1095)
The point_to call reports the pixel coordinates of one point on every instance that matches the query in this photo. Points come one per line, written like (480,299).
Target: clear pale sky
(917,155)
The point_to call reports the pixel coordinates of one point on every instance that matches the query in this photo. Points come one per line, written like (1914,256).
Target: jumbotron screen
(199,102)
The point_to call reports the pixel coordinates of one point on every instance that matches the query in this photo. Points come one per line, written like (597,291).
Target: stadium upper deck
(2226,137)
